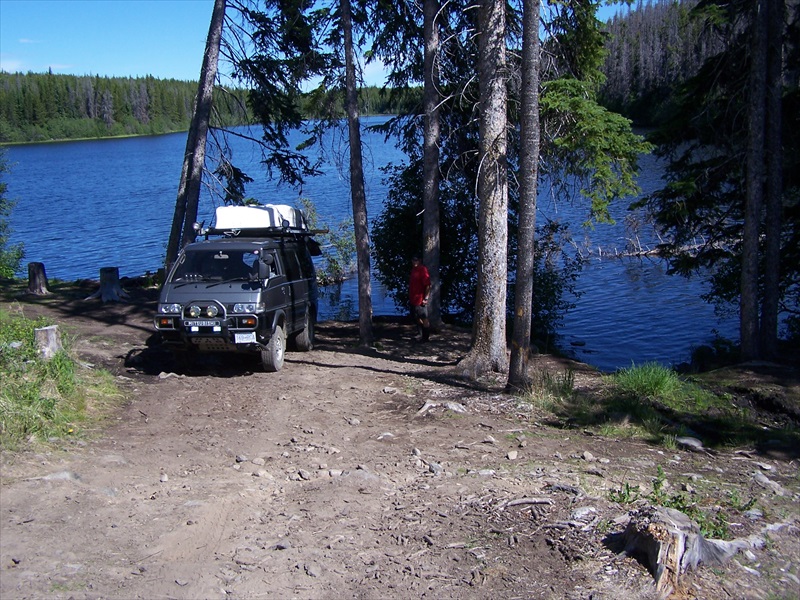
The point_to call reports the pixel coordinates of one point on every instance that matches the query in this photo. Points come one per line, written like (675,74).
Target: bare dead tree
(186,204)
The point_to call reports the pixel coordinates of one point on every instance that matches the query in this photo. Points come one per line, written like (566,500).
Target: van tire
(272,357)
(304,340)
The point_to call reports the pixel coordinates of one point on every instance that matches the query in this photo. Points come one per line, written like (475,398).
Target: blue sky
(125,38)
(163,38)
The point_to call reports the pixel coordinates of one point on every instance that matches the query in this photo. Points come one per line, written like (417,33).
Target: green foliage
(37,107)
(699,212)
(714,523)
(555,275)
(547,390)
(587,147)
(627,494)
(651,52)
(38,398)
(654,383)
(10,255)
(42,400)
(597,147)
(397,236)
(338,246)
(650,380)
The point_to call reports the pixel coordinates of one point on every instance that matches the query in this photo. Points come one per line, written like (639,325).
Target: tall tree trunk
(185,215)
(431,250)
(488,351)
(774,188)
(748,310)
(357,192)
(529,169)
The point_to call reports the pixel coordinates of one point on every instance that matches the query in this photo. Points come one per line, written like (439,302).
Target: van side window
(306,265)
(291,265)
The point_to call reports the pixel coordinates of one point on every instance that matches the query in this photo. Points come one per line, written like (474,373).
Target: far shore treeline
(41,107)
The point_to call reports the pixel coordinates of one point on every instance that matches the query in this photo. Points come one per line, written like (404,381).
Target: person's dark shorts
(420,312)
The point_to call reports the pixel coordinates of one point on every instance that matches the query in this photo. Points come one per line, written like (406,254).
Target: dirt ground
(352,474)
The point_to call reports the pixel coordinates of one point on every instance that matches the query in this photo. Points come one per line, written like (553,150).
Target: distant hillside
(652,50)
(43,106)
(38,107)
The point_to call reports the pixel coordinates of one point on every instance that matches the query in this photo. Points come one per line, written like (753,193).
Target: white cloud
(28,41)
(375,73)
(10,64)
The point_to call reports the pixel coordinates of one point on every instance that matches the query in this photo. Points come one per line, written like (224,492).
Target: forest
(651,50)
(38,107)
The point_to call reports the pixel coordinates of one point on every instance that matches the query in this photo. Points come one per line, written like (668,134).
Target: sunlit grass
(649,402)
(549,392)
(42,400)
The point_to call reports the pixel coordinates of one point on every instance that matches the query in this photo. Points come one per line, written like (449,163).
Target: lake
(88,204)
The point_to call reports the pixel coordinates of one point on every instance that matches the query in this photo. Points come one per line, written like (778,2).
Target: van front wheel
(272,356)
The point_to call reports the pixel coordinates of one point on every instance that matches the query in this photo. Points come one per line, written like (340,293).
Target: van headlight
(170,309)
(248,307)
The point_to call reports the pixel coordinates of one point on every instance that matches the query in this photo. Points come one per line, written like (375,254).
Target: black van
(250,290)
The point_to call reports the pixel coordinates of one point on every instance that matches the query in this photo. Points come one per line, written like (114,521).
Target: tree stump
(110,288)
(37,279)
(670,544)
(48,341)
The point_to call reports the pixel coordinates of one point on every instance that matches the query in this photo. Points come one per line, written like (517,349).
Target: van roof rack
(259,220)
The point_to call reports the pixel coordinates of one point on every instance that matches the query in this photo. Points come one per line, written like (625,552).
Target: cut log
(670,545)
(37,279)
(110,288)
(48,341)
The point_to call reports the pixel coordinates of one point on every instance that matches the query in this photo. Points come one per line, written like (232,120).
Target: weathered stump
(37,279)
(110,289)
(48,341)
(670,544)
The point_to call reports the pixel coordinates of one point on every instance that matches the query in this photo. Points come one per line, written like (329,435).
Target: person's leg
(424,323)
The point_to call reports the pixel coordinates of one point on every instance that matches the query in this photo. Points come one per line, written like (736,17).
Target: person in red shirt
(419,291)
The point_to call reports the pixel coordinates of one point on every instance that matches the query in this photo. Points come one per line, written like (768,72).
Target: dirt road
(348,474)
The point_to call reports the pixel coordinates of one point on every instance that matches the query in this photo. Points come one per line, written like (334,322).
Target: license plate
(202,323)
(245,338)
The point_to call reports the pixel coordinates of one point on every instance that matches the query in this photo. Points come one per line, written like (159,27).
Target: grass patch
(42,400)
(713,523)
(548,391)
(653,403)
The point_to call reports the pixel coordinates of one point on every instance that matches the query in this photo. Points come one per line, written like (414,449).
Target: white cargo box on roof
(259,216)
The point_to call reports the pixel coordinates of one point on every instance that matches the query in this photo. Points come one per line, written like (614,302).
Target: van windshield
(219,265)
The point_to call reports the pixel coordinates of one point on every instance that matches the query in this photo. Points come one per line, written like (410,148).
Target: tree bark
(357,192)
(110,289)
(185,215)
(37,279)
(748,310)
(48,341)
(488,351)
(529,169)
(774,187)
(431,250)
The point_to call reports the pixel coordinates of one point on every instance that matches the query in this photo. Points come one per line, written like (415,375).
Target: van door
(298,286)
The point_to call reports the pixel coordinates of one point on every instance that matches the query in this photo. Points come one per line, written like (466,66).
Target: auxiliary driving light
(194,311)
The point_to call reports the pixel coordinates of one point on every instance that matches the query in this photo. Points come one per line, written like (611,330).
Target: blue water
(89,204)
